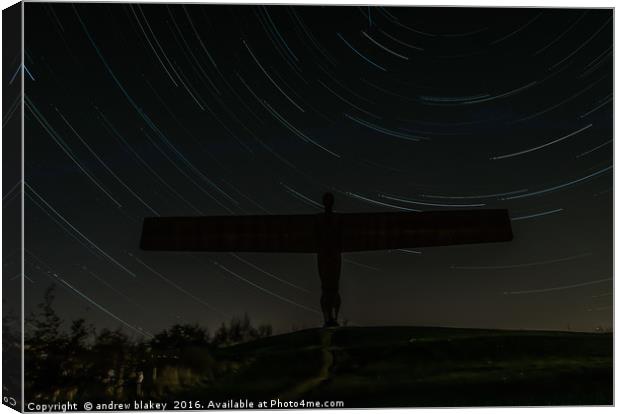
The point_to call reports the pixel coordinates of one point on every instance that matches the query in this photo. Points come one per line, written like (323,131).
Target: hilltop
(416,366)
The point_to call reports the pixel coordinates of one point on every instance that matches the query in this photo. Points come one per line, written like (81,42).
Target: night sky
(144,110)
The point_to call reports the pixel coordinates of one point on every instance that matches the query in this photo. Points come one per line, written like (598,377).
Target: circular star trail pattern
(145,110)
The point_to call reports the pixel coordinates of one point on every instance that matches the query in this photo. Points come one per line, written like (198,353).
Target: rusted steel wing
(379,231)
(282,233)
(350,232)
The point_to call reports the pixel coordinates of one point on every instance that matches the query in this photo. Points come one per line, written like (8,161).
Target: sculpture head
(328,202)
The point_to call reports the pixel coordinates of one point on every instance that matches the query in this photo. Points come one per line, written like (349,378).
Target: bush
(108,362)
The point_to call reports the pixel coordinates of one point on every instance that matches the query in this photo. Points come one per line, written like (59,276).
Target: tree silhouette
(79,362)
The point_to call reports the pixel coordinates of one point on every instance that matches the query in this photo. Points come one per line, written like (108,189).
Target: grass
(421,367)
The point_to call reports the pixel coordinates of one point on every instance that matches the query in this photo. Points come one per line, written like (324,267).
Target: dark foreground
(418,367)
(359,367)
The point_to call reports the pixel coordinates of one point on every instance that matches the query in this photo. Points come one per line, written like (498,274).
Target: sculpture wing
(397,230)
(277,233)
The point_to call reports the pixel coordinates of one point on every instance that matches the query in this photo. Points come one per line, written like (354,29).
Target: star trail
(137,110)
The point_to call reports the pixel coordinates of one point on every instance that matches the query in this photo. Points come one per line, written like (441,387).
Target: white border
(479,3)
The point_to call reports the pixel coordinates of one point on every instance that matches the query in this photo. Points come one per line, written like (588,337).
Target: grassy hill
(417,366)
